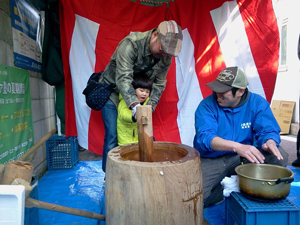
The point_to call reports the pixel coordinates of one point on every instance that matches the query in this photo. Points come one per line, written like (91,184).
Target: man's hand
(247,151)
(271,147)
(251,153)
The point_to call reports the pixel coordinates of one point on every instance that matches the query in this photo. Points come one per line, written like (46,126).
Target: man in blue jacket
(233,124)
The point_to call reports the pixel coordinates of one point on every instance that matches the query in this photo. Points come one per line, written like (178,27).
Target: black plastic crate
(242,211)
(62,152)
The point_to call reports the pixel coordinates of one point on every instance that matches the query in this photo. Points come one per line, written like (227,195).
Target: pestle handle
(145,132)
(36,146)
(32,203)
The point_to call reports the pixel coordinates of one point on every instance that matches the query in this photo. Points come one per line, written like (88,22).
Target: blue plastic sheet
(80,188)
(83,188)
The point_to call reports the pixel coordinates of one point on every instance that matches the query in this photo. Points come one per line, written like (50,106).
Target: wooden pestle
(145,132)
(32,203)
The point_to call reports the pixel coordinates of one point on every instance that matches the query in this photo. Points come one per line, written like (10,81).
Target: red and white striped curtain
(216,34)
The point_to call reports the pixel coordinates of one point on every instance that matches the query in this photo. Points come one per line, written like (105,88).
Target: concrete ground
(288,142)
(85,155)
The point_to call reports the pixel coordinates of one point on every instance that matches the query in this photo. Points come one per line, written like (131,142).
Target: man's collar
(244,98)
(147,51)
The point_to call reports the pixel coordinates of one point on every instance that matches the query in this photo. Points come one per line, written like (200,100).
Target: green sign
(16,130)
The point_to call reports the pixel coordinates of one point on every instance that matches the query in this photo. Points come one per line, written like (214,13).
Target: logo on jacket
(246,125)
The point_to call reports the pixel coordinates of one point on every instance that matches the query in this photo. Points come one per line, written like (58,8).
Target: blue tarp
(80,188)
(83,188)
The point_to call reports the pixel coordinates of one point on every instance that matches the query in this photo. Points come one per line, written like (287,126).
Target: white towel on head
(230,184)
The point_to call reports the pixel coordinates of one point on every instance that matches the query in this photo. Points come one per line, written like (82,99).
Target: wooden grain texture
(153,193)
(145,132)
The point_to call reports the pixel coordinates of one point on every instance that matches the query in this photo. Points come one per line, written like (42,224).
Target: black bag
(97,94)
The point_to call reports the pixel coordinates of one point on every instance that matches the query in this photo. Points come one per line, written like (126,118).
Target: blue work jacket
(253,123)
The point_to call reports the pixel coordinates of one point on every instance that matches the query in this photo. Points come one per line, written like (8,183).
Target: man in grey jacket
(147,52)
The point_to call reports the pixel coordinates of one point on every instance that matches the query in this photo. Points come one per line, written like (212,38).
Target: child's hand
(134,110)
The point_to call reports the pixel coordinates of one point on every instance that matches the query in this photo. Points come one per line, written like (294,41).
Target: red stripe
(208,56)
(165,126)
(67,22)
(262,31)
(96,133)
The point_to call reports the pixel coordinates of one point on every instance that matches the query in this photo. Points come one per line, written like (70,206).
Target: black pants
(297,161)
(298,141)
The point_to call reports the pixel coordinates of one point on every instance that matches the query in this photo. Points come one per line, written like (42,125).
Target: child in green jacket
(126,124)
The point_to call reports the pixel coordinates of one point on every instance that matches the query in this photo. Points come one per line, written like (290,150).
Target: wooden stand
(153,183)
(166,191)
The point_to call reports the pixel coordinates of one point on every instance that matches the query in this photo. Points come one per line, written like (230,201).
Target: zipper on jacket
(233,129)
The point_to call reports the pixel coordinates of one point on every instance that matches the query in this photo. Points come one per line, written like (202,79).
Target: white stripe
(188,90)
(174,25)
(234,43)
(82,63)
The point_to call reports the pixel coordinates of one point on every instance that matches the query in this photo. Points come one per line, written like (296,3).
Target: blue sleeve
(206,125)
(265,125)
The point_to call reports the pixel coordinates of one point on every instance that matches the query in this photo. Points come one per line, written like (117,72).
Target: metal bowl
(264,181)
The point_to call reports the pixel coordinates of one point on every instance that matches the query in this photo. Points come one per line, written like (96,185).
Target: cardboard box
(283,112)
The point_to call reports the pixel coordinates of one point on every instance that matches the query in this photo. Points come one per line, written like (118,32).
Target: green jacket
(126,128)
(133,56)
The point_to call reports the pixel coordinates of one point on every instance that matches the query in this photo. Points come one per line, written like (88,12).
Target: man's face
(156,48)
(226,99)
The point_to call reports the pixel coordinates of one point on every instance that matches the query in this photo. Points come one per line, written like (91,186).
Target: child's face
(142,94)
